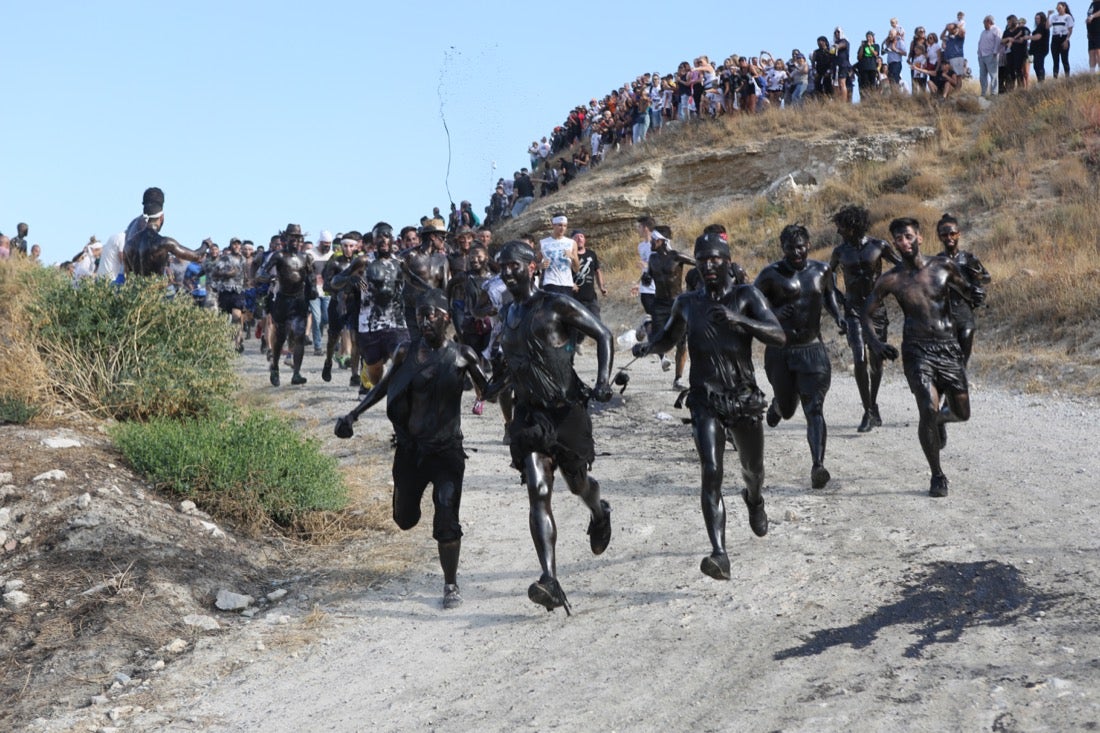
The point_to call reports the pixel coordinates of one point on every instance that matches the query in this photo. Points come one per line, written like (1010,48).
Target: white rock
(229,601)
(211,529)
(13,584)
(6,477)
(84,501)
(175,646)
(16,599)
(187,507)
(5,516)
(206,623)
(60,443)
(99,700)
(55,475)
(3,537)
(158,665)
(276,594)
(663,416)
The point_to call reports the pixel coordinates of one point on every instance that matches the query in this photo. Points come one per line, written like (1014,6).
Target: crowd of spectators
(744,84)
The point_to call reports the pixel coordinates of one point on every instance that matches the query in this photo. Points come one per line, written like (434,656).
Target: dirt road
(869,605)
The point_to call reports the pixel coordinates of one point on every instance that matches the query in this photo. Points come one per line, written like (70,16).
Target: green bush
(129,352)
(236,464)
(15,410)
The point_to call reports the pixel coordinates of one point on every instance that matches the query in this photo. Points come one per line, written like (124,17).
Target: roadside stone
(212,529)
(61,443)
(5,516)
(84,501)
(3,537)
(276,595)
(55,475)
(175,646)
(229,601)
(99,700)
(16,599)
(187,507)
(6,477)
(13,584)
(206,623)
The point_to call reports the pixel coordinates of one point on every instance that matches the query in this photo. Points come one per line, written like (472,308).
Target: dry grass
(1020,175)
(24,379)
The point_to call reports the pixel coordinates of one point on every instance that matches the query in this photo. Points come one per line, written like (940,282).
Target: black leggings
(1059,50)
(1039,63)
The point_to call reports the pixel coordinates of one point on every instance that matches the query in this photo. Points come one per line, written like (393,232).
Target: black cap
(152,201)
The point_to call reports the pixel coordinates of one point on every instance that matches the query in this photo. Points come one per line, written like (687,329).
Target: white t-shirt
(559,269)
(1061,25)
(110,258)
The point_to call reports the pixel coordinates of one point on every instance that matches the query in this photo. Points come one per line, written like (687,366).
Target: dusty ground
(869,605)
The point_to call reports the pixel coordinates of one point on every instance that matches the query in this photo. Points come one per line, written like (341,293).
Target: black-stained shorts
(857,335)
(808,363)
(379,346)
(285,307)
(412,472)
(936,364)
(231,300)
(564,433)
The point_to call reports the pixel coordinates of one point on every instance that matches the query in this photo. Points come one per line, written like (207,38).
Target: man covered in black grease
(551,428)
(721,319)
(930,351)
(423,391)
(799,290)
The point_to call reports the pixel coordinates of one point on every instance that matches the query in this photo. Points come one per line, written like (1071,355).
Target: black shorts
(285,307)
(564,433)
(808,363)
(733,408)
(857,336)
(412,472)
(231,300)
(936,364)
(378,346)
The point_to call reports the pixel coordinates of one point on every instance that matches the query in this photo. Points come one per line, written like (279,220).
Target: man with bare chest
(859,259)
(425,267)
(799,290)
(147,251)
(930,350)
(666,267)
(292,270)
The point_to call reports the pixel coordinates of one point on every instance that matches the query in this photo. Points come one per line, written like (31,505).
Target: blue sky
(331,114)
